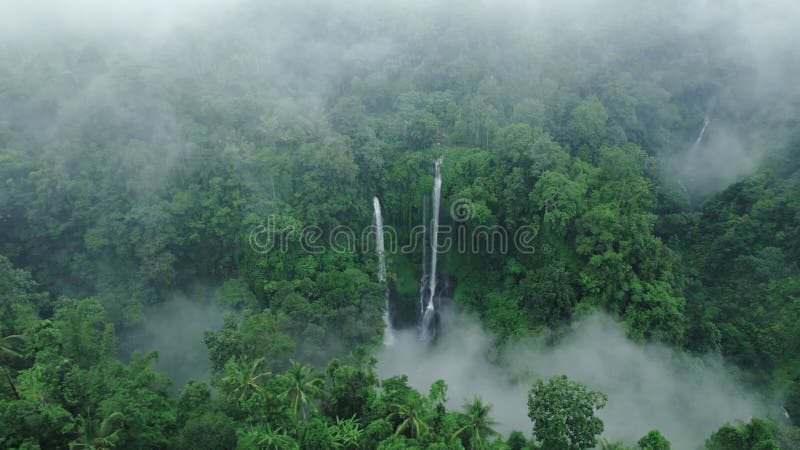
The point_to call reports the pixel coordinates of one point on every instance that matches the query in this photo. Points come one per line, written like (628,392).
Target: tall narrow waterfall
(423,282)
(702,134)
(692,157)
(388,333)
(685,192)
(379,247)
(429,312)
(437,194)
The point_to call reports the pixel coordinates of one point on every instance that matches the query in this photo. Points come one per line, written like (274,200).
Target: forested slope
(142,164)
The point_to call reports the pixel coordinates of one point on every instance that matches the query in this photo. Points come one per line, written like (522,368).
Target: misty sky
(302,50)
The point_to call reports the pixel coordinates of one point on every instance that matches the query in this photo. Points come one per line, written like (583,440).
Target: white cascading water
(693,152)
(437,193)
(685,192)
(423,282)
(430,309)
(702,134)
(379,247)
(388,333)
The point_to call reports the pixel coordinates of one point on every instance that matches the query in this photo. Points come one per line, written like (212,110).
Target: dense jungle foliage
(136,170)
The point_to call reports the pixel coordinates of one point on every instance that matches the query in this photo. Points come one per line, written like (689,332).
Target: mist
(648,385)
(290,58)
(175,330)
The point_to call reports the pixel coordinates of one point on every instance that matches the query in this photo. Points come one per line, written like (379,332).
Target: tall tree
(243,378)
(410,417)
(301,388)
(479,424)
(654,441)
(98,435)
(563,414)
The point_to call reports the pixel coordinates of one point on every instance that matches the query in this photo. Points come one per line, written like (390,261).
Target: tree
(755,435)
(135,389)
(479,424)
(10,348)
(409,415)
(421,130)
(194,399)
(101,435)
(559,199)
(516,441)
(587,127)
(548,293)
(301,388)
(563,414)
(269,438)
(654,441)
(375,432)
(515,140)
(350,389)
(243,378)
(346,433)
(225,343)
(728,437)
(19,302)
(262,336)
(348,116)
(208,431)
(317,434)
(31,421)
(616,445)
(87,335)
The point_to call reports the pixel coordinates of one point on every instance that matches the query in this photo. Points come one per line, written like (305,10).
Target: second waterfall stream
(428,302)
(388,332)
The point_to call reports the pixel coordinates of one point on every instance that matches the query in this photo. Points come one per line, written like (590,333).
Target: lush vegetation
(130,176)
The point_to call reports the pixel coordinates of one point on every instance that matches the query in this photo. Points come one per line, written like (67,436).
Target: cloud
(648,386)
(175,329)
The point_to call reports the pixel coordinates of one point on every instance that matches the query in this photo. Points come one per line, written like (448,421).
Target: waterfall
(692,155)
(429,313)
(388,334)
(685,192)
(423,282)
(379,247)
(702,134)
(706,123)
(437,193)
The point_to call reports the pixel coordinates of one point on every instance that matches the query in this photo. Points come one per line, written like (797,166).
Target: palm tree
(478,423)
(9,346)
(243,377)
(271,438)
(606,445)
(301,387)
(410,416)
(100,436)
(346,433)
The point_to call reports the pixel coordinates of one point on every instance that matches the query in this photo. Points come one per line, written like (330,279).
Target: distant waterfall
(706,123)
(388,333)
(695,149)
(685,192)
(429,311)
